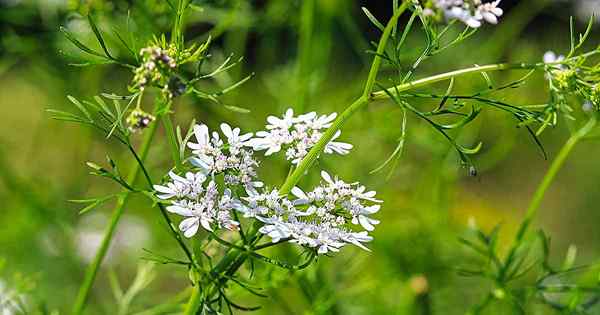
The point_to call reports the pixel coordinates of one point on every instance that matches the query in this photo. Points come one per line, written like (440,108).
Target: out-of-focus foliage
(310,54)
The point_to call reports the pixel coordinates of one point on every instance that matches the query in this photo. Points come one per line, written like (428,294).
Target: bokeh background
(309,55)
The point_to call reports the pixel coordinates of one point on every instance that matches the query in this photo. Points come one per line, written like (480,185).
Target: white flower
(472,13)
(201,206)
(337,147)
(490,12)
(181,187)
(275,228)
(323,219)
(283,123)
(296,135)
(326,218)
(551,57)
(233,136)
(360,216)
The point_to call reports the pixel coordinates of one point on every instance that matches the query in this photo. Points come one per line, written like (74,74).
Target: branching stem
(92,269)
(536,201)
(363,100)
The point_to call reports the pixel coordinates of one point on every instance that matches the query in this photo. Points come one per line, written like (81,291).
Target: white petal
(490,18)
(180,210)
(372,209)
(326,177)
(299,193)
(227,130)
(177,177)
(322,249)
(364,222)
(189,226)
(201,132)
(163,189)
(206,224)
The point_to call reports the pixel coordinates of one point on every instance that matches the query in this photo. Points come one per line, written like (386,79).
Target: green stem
(384,94)
(536,201)
(194,302)
(305,41)
(172,138)
(364,99)
(177,35)
(92,270)
(381,48)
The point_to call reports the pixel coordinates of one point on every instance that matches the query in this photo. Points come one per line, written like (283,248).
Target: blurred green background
(309,55)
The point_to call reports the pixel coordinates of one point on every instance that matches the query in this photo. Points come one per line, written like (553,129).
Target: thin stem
(92,270)
(314,153)
(536,201)
(172,138)
(381,48)
(305,41)
(163,211)
(448,75)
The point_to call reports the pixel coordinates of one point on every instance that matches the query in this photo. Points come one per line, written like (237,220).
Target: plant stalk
(92,270)
(536,201)
(367,97)
(195,301)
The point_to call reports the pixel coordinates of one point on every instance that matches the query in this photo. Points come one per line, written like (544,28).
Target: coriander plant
(213,194)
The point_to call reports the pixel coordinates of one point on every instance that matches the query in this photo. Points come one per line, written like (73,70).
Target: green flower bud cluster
(566,79)
(138,120)
(157,67)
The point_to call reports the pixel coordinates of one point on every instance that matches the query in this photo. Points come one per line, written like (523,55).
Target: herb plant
(223,217)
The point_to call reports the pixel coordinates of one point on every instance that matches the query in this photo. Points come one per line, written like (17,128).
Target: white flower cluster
(333,214)
(324,218)
(470,12)
(297,135)
(234,159)
(196,196)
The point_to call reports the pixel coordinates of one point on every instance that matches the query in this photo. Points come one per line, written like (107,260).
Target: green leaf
(373,19)
(65,116)
(79,44)
(80,106)
(124,42)
(397,153)
(237,109)
(474,113)
(99,36)
(474,150)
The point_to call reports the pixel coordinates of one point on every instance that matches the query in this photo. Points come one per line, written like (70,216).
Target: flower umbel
(471,12)
(296,135)
(328,217)
(224,180)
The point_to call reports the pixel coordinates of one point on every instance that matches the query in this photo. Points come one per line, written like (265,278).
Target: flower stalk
(541,190)
(92,270)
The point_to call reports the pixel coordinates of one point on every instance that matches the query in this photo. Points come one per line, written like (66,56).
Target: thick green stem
(92,270)
(536,201)
(194,302)
(364,99)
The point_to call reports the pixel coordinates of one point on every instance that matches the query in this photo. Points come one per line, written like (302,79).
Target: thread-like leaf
(373,19)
